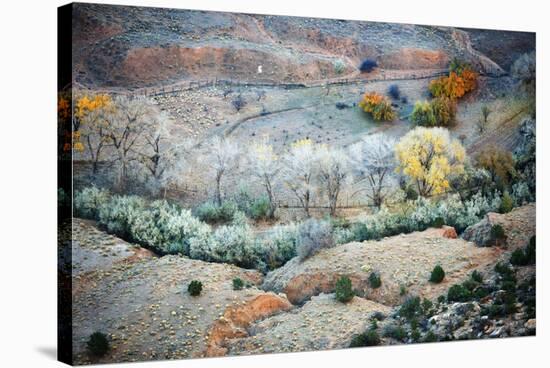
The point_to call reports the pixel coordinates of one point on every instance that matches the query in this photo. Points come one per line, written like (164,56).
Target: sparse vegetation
(368,338)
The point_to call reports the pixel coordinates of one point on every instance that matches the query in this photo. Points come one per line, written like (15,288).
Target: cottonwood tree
(373,162)
(265,166)
(130,118)
(223,159)
(430,158)
(155,152)
(94,129)
(299,171)
(333,167)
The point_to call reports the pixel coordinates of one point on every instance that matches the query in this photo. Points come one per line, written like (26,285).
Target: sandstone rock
(236,320)
(480,233)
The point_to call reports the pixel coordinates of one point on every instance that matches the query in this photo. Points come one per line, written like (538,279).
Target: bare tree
(265,167)
(94,131)
(374,160)
(224,157)
(333,171)
(300,165)
(156,153)
(128,121)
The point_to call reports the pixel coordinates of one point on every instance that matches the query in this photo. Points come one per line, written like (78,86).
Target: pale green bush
(277,246)
(119,214)
(313,235)
(88,201)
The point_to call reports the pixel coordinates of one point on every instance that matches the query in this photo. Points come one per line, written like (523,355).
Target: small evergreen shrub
(458,293)
(411,308)
(374,280)
(368,338)
(195,288)
(524,256)
(343,290)
(368,65)
(497,234)
(437,274)
(507,203)
(476,276)
(98,344)
(238,283)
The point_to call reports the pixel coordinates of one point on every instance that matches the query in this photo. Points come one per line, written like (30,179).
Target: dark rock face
(480,233)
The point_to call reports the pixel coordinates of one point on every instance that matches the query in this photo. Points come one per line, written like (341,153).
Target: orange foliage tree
(378,106)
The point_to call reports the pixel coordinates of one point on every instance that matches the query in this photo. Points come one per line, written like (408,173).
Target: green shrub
(343,290)
(507,203)
(259,208)
(395,332)
(98,344)
(423,114)
(212,213)
(339,66)
(368,338)
(437,274)
(476,276)
(497,234)
(88,201)
(402,290)
(410,193)
(374,280)
(415,335)
(238,283)
(195,288)
(411,308)
(458,293)
(438,222)
(427,306)
(505,271)
(430,337)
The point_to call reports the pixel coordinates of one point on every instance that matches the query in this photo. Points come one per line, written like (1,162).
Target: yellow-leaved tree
(429,157)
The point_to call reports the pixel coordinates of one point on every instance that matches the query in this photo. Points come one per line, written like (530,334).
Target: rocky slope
(401,261)
(129,47)
(141,301)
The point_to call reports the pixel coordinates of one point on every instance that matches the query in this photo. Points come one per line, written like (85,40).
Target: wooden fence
(198,84)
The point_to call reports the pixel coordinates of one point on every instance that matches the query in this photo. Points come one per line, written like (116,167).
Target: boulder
(480,233)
